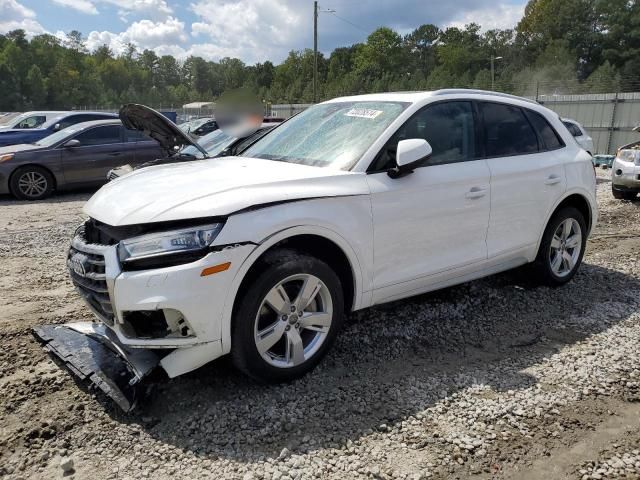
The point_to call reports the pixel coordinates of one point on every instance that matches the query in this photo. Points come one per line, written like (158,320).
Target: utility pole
(315,52)
(493,75)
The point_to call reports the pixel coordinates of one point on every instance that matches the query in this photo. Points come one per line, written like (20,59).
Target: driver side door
(430,225)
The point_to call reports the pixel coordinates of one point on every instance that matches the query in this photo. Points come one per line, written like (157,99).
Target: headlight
(4,158)
(168,248)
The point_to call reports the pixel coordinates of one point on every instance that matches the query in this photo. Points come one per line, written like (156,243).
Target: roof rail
(453,91)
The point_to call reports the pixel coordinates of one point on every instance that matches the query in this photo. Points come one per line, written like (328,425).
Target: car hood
(214,187)
(157,126)
(18,148)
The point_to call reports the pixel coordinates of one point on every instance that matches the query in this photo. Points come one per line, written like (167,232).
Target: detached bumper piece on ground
(92,353)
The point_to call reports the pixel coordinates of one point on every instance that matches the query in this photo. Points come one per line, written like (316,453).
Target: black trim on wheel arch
(276,267)
(542,267)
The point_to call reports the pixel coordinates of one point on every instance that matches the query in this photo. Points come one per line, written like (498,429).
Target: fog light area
(166,323)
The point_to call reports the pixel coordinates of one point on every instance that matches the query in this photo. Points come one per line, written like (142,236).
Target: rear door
(527,175)
(101,149)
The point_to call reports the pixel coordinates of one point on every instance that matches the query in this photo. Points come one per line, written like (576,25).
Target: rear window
(507,131)
(546,133)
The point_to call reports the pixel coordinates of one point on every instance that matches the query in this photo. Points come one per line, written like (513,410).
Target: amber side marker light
(215,269)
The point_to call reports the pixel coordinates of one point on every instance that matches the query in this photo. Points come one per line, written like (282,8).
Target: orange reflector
(217,269)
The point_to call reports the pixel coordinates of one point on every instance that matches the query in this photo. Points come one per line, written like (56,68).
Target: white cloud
(83,6)
(253,30)
(155,9)
(144,34)
(494,16)
(14,15)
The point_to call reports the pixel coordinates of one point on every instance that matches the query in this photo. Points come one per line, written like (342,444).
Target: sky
(252,30)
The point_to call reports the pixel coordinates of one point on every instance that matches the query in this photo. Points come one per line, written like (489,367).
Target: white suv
(354,202)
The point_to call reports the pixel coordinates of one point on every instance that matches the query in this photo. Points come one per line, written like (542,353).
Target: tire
(546,267)
(622,195)
(31,183)
(269,342)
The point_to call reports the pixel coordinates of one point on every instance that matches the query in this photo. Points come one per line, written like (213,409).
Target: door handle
(476,192)
(115,154)
(552,180)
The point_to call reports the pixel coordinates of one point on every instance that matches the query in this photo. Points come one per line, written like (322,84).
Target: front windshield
(331,135)
(214,143)
(58,136)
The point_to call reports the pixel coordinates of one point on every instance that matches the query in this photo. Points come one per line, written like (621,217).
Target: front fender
(357,248)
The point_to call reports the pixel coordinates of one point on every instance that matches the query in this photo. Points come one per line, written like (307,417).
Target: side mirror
(56,127)
(72,143)
(409,155)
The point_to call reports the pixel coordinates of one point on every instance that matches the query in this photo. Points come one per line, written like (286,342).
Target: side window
(573,129)
(32,122)
(136,136)
(105,135)
(68,121)
(447,126)
(507,131)
(545,131)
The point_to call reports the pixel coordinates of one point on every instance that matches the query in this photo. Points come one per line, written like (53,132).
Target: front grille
(87,271)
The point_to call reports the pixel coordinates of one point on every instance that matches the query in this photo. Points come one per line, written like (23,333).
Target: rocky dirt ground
(496,378)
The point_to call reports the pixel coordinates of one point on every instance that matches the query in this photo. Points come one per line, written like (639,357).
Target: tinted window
(137,136)
(73,119)
(447,126)
(507,131)
(573,129)
(545,131)
(100,136)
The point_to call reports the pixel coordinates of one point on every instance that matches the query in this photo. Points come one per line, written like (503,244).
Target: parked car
(215,144)
(354,202)
(77,156)
(625,178)
(15,136)
(199,127)
(580,134)
(604,161)
(30,120)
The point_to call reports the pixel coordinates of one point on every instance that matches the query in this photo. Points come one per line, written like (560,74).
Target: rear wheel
(288,318)
(562,247)
(31,183)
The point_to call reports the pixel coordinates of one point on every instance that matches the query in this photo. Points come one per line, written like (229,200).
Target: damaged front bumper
(92,352)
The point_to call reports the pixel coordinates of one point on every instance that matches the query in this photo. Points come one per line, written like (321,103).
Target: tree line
(559,46)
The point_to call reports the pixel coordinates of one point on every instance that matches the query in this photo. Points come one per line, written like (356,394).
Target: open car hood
(158,127)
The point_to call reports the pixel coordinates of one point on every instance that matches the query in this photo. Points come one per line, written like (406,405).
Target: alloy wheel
(32,184)
(293,321)
(566,245)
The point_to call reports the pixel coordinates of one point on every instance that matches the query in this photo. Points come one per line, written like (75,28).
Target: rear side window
(100,136)
(545,132)
(573,129)
(507,131)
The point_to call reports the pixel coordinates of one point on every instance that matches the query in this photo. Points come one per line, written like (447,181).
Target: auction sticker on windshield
(363,113)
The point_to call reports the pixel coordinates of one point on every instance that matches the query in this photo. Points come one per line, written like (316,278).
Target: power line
(349,22)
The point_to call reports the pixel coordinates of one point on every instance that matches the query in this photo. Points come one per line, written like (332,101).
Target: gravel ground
(496,378)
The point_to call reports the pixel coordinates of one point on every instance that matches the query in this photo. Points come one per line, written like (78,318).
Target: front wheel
(288,318)
(31,183)
(562,247)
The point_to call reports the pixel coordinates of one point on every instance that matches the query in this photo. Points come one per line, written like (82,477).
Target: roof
(95,123)
(416,96)
(199,105)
